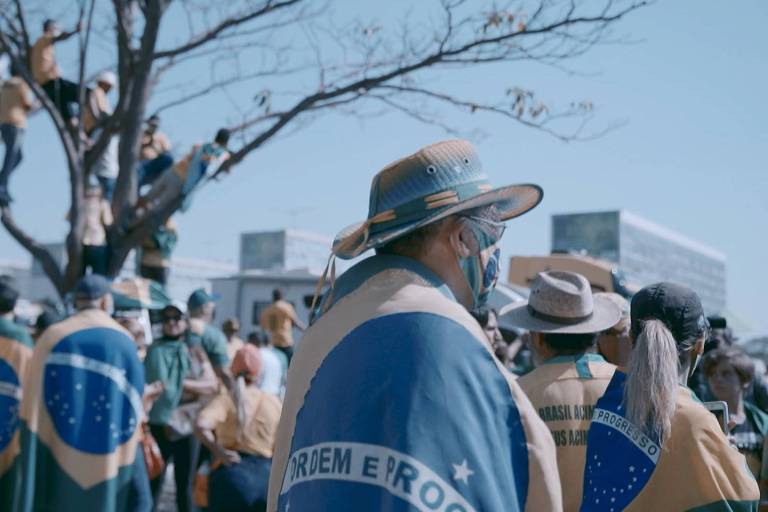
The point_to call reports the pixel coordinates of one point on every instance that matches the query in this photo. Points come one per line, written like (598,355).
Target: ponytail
(238,397)
(650,392)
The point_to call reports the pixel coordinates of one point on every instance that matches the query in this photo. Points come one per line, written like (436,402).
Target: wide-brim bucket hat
(437,181)
(562,302)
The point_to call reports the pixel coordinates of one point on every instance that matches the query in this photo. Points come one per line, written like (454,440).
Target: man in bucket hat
(394,398)
(564,320)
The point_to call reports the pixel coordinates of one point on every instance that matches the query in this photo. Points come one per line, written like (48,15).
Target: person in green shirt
(15,354)
(187,377)
(201,307)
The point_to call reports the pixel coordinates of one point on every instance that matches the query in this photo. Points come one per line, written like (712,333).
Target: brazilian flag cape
(15,354)
(395,402)
(81,416)
(696,469)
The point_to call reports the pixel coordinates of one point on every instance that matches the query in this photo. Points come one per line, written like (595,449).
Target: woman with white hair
(239,429)
(652,445)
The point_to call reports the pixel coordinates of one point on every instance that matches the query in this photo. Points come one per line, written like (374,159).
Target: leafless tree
(354,67)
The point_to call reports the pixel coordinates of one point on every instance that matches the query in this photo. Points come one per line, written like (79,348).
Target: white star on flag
(462,472)
(631,469)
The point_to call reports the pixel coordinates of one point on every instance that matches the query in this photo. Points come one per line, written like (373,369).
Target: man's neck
(7,316)
(445,266)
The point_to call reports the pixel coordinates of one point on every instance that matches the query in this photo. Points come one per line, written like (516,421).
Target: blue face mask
(482,267)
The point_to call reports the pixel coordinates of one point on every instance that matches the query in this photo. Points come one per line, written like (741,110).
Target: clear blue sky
(691,157)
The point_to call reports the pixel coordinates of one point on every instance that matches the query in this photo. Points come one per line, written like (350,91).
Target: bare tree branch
(37,250)
(201,39)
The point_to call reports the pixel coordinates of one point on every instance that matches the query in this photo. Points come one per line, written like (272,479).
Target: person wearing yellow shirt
(564,319)
(239,428)
(15,104)
(46,72)
(652,445)
(278,320)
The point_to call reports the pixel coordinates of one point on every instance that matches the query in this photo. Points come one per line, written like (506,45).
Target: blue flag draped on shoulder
(395,402)
(15,353)
(695,469)
(81,416)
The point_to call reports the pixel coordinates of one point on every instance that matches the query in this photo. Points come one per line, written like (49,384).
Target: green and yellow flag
(15,354)
(81,415)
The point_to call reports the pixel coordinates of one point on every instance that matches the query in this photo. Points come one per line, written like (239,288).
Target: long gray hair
(650,392)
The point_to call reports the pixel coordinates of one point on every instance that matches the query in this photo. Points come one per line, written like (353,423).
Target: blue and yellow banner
(81,416)
(395,402)
(696,469)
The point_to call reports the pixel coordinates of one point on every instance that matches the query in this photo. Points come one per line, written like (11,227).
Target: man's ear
(457,236)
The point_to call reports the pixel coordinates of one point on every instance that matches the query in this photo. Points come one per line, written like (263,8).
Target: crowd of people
(161,178)
(106,412)
(404,393)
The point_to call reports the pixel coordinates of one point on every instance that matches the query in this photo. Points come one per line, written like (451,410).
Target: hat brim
(511,201)
(605,315)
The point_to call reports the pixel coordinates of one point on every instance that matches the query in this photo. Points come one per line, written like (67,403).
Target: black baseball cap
(91,287)
(174,308)
(9,293)
(677,306)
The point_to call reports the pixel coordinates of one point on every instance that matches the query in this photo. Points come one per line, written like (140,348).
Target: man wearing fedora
(394,399)
(564,320)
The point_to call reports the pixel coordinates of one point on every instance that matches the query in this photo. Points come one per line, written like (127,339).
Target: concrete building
(290,260)
(644,252)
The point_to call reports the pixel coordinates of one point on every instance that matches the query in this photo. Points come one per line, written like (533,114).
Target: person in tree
(186,176)
(98,109)
(15,103)
(156,251)
(98,218)
(46,71)
(155,153)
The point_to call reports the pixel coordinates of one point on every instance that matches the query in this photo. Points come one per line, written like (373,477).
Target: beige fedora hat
(562,302)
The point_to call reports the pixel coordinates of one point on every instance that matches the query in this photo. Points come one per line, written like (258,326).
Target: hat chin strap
(364,232)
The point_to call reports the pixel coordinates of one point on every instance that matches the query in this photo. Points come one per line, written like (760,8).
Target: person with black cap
(201,306)
(187,378)
(652,445)
(15,355)
(82,410)
(564,319)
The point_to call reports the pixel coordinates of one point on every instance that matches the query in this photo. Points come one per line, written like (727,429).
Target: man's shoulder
(11,330)
(42,41)
(213,332)
(691,413)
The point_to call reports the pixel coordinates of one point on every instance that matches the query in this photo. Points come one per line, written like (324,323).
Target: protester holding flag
(394,399)
(15,354)
(564,319)
(651,444)
(81,412)
(239,429)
